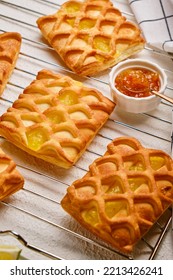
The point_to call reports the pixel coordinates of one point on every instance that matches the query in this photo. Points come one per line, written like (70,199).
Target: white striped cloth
(155,19)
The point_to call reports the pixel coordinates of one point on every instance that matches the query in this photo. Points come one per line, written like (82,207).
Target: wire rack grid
(33,217)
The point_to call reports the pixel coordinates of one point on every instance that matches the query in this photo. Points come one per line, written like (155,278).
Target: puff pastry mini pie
(55,118)
(10,179)
(91,36)
(10,43)
(123,193)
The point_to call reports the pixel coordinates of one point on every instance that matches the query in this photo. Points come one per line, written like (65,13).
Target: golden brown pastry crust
(55,118)
(10,179)
(10,43)
(123,193)
(91,36)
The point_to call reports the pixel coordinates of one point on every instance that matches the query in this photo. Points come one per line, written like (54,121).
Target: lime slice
(8,252)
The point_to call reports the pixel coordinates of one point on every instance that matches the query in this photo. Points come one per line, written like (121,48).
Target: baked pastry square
(91,36)
(10,179)
(10,43)
(55,118)
(123,193)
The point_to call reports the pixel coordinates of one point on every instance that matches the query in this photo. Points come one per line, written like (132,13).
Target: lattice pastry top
(10,179)
(90,36)
(10,43)
(55,118)
(123,194)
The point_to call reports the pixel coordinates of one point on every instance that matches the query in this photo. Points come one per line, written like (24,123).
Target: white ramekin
(134,104)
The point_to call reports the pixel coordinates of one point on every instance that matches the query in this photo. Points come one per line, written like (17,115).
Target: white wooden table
(34,212)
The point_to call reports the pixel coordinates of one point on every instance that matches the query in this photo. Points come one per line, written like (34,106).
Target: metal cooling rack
(33,217)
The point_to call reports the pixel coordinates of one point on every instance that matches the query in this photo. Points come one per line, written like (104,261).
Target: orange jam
(137,82)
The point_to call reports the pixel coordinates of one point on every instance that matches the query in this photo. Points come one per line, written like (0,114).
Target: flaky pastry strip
(123,194)
(10,179)
(10,43)
(91,36)
(56,118)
